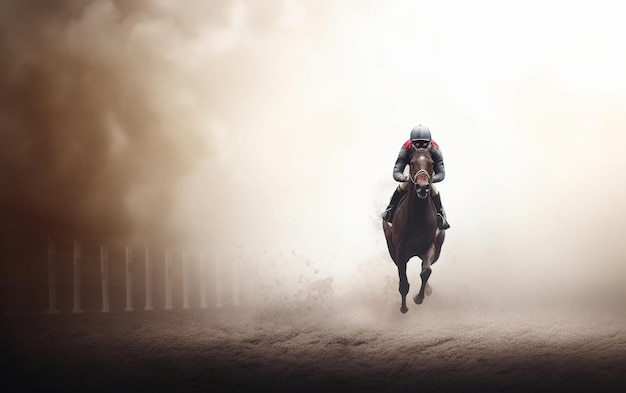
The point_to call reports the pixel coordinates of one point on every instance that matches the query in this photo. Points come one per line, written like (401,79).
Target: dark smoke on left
(87,146)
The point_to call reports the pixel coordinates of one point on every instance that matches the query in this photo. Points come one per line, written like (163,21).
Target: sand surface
(301,349)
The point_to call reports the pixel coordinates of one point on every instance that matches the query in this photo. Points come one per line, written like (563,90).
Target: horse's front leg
(425,274)
(404,285)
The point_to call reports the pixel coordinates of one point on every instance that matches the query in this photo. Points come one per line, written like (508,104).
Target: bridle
(422,192)
(414,178)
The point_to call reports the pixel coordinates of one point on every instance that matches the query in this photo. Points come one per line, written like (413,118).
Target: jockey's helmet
(420,134)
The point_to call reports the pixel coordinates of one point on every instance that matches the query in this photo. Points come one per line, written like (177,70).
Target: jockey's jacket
(404,158)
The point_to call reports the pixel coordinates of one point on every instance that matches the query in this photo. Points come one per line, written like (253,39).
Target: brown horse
(414,231)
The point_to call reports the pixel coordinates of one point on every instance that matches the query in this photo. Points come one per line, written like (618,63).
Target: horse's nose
(422,180)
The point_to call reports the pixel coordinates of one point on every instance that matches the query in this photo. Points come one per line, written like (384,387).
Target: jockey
(420,138)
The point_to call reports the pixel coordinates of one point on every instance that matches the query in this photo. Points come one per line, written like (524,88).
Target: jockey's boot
(395,198)
(442,221)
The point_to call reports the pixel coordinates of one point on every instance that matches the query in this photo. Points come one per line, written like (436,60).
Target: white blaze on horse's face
(421,173)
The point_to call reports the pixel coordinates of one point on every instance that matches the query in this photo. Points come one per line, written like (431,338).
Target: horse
(414,231)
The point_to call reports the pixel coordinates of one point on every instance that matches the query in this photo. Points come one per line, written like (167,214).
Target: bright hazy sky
(276,124)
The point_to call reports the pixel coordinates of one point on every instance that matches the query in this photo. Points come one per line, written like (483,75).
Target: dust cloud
(267,132)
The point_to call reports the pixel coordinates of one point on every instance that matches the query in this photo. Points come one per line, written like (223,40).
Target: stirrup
(388,214)
(442,223)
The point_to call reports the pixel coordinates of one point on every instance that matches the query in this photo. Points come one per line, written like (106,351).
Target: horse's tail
(389,238)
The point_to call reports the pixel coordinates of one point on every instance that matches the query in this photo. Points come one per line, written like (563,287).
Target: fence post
(168,281)
(148,281)
(129,280)
(218,284)
(77,280)
(52,280)
(104,271)
(185,281)
(203,272)
(235,280)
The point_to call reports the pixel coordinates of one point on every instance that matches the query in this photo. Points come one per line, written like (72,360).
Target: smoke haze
(270,129)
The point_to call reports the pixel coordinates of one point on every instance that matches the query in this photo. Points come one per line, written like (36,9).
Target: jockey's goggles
(420,144)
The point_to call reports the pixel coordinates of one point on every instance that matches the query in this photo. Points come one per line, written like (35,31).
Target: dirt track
(297,350)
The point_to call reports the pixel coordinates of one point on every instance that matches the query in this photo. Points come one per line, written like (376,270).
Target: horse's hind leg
(438,243)
(428,289)
(404,286)
(441,236)
(425,274)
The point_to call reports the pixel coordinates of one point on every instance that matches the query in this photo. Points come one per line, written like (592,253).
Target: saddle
(393,211)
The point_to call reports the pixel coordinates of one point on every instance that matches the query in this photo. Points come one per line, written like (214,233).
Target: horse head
(421,170)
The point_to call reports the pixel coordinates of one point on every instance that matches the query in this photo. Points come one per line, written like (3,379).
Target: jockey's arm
(440,170)
(401,163)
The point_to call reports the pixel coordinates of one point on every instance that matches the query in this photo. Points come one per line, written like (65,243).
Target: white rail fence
(71,276)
